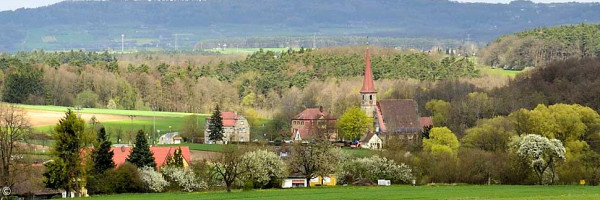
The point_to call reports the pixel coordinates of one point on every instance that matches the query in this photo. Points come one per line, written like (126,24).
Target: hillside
(541,46)
(98,25)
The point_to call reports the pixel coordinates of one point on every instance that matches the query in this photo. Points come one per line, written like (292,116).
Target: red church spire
(368,86)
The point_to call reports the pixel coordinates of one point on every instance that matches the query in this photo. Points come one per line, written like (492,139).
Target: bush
(374,168)
(86,99)
(248,185)
(204,173)
(153,180)
(266,169)
(437,167)
(124,179)
(184,178)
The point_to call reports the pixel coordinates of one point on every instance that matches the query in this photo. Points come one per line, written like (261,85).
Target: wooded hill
(99,79)
(98,25)
(541,46)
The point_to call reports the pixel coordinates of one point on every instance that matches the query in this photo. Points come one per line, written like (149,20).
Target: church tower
(368,92)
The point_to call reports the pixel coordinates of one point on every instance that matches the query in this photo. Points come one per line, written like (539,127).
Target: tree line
(541,46)
(100,80)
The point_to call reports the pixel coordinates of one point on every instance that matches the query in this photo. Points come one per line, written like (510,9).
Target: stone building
(235,128)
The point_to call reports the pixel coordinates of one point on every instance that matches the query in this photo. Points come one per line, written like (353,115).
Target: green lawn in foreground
(390,192)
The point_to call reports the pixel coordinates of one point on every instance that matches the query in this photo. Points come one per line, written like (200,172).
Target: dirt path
(45,118)
(202,155)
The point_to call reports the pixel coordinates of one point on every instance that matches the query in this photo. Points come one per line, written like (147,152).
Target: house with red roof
(313,123)
(235,128)
(161,155)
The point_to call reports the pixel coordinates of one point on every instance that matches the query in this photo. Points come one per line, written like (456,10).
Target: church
(391,117)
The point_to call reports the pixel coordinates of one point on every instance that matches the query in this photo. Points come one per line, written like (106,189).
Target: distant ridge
(160,24)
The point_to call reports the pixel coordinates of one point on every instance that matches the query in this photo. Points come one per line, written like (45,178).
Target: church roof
(368,86)
(399,115)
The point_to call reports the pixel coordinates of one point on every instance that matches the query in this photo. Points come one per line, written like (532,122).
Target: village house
(235,128)
(371,141)
(297,180)
(391,117)
(313,123)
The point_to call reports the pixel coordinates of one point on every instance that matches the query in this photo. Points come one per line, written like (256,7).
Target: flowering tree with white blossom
(542,153)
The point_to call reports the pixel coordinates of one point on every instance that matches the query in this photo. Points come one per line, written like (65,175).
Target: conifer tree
(102,156)
(140,155)
(66,170)
(176,160)
(216,125)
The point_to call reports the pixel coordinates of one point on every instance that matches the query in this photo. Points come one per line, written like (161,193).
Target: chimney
(123,148)
(321,109)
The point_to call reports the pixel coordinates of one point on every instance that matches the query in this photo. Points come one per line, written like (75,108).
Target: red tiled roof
(426,121)
(311,113)
(368,85)
(160,154)
(229,118)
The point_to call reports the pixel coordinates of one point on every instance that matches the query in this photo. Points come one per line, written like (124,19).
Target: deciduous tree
(441,140)
(14,126)
(354,123)
(542,154)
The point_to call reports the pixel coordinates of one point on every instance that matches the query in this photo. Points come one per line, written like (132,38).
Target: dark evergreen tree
(66,171)
(141,156)
(216,125)
(102,156)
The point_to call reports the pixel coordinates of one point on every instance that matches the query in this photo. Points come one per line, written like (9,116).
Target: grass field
(143,113)
(391,192)
(201,147)
(498,71)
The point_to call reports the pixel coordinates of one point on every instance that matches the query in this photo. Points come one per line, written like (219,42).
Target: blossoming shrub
(184,178)
(264,169)
(374,168)
(153,180)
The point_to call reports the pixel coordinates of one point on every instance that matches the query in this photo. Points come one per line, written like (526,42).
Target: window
(370,97)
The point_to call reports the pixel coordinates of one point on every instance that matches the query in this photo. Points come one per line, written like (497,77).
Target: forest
(162,24)
(99,79)
(541,46)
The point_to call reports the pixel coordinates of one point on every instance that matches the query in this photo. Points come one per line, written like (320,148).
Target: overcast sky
(14,4)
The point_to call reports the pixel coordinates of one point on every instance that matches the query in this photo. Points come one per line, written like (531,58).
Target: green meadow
(389,192)
(498,71)
(145,113)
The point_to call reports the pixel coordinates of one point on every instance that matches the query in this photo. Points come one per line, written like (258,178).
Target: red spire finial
(368,85)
